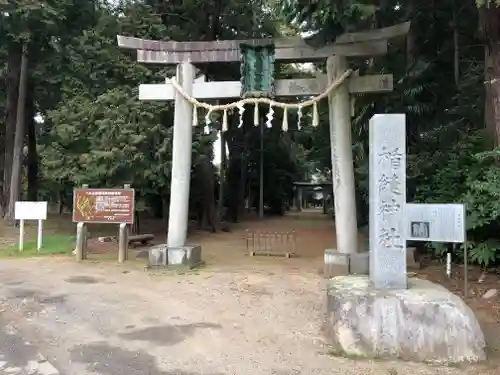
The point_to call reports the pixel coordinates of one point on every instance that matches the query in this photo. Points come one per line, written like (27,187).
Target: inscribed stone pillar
(181,159)
(387,201)
(342,163)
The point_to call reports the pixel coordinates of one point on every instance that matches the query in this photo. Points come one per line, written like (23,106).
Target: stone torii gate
(185,54)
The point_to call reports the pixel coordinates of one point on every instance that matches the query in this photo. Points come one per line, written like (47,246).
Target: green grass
(51,245)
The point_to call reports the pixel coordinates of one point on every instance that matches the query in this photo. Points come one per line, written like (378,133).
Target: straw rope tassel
(195,115)
(315,121)
(256,115)
(224,121)
(284,125)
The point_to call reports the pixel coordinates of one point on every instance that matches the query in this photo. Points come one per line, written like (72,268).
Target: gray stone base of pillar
(338,264)
(424,323)
(335,263)
(359,263)
(185,256)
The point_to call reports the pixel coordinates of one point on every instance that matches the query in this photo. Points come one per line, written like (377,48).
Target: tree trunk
(456,46)
(32,162)
(15,181)
(411,42)
(60,202)
(13,75)
(489,19)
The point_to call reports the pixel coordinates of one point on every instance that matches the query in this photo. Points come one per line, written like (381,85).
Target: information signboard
(435,222)
(113,206)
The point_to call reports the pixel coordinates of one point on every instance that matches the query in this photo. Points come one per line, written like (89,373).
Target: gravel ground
(110,320)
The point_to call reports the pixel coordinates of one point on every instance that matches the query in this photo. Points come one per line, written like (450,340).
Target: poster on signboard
(435,222)
(113,206)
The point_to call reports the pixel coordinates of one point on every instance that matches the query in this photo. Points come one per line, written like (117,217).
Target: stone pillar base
(184,256)
(424,323)
(338,264)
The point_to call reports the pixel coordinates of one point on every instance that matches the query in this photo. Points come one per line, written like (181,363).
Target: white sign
(435,222)
(387,201)
(30,211)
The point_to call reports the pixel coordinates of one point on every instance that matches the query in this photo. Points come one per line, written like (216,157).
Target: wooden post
(122,243)
(39,237)
(342,162)
(21,235)
(81,238)
(80,242)
(181,159)
(123,238)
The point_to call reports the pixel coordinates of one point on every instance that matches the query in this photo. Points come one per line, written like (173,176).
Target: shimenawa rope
(255,101)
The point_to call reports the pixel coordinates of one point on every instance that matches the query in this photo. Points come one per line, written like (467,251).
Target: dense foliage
(85,125)
(444,86)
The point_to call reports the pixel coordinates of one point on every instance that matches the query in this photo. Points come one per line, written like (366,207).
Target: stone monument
(387,314)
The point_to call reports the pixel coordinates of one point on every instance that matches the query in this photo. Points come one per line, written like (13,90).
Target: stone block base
(336,263)
(359,263)
(158,256)
(187,256)
(425,322)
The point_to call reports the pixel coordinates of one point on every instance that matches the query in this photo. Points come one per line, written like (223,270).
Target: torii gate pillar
(342,162)
(181,159)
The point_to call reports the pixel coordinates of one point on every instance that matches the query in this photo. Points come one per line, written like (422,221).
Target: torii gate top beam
(366,43)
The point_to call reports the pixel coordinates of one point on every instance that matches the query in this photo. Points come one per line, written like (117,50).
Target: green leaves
(487,3)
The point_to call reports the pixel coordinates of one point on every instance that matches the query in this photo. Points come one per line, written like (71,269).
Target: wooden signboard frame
(108,215)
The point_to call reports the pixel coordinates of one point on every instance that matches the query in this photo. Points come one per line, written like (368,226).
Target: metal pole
(261,184)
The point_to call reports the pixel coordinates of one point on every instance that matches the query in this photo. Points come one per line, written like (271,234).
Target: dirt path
(98,318)
(237,315)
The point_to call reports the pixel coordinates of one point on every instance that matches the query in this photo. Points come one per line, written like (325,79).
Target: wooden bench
(142,239)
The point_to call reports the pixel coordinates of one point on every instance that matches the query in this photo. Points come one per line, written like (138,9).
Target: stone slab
(335,263)
(163,256)
(338,264)
(158,256)
(359,263)
(189,256)
(424,323)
